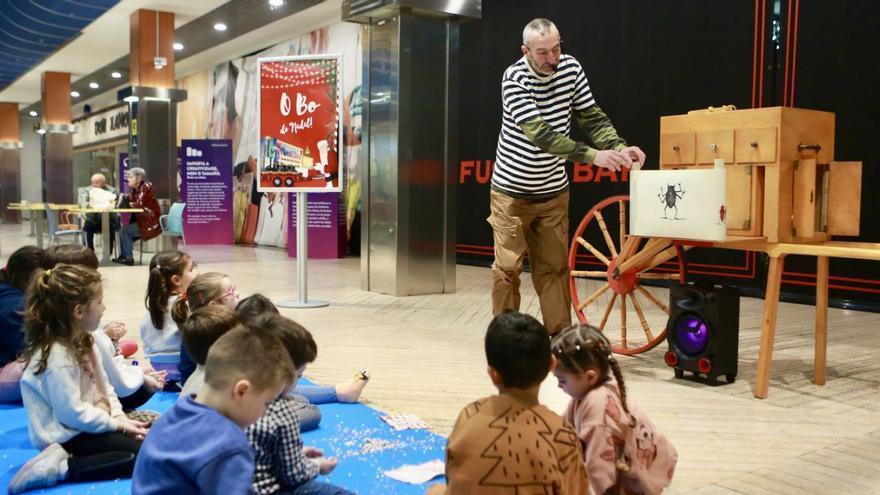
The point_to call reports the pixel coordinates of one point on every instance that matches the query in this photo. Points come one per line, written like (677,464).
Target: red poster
(300,117)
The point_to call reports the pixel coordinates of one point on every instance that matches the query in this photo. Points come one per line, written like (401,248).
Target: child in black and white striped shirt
(283,464)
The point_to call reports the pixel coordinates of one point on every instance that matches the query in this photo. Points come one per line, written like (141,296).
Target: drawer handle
(713,147)
(676,148)
(814,147)
(753,144)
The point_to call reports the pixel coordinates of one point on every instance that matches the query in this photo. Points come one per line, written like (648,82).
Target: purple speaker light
(691,334)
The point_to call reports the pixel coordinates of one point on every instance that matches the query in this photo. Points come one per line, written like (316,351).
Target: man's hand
(635,153)
(613,160)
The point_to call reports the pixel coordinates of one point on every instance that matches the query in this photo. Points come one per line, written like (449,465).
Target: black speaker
(703,332)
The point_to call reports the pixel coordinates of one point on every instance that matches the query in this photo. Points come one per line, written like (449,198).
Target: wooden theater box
(782,180)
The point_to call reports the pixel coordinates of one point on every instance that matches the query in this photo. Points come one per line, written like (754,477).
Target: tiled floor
(426,357)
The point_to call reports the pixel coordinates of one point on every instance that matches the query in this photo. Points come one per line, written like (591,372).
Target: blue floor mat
(365,445)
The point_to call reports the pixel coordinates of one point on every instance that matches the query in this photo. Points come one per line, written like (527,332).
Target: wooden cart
(785,195)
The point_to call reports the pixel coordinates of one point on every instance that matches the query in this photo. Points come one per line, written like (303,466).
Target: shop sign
(101,126)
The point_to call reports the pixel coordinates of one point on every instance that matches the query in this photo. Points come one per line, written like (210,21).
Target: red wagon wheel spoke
(590,248)
(607,312)
(605,234)
(654,300)
(642,320)
(619,272)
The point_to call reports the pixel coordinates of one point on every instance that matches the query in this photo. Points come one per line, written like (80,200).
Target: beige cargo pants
(541,229)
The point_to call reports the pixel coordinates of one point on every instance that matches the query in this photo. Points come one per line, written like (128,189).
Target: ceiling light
(74,94)
(94,85)
(276,3)
(219,27)
(32,113)
(177,46)
(116,75)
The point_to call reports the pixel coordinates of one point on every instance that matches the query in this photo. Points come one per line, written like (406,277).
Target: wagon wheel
(622,266)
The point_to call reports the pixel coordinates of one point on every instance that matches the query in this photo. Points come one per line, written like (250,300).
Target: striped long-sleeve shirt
(280,463)
(537,112)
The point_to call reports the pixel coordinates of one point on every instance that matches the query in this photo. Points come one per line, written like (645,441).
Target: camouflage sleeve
(555,143)
(598,127)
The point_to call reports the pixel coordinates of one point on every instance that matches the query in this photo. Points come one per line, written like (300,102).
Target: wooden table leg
(768,331)
(821,318)
(105,237)
(40,228)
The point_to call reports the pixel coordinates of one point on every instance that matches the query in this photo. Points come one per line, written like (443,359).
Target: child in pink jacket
(623,451)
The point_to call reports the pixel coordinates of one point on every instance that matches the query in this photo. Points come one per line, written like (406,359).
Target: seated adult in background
(100,196)
(144,225)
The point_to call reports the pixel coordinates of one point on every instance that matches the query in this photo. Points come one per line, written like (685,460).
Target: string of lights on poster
(300,103)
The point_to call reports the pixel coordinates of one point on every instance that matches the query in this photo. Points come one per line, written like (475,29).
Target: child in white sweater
(73,415)
(170,274)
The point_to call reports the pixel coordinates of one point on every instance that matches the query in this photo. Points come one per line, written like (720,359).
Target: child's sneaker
(41,471)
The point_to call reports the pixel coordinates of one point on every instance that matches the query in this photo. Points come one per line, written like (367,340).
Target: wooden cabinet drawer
(755,145)
(677,148)
(714,144)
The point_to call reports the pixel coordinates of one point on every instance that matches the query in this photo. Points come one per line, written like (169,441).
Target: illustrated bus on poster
(300,123)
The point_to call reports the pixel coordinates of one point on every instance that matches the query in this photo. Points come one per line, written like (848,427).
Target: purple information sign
(326,219)
(206,187)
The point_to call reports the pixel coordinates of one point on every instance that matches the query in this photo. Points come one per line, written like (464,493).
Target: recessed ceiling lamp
(116,75)
(219,27)
(74,94)
(177,46)
(32,113)
(276,3)
(94,85)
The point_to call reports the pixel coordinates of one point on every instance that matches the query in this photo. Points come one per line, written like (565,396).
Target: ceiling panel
(31,30)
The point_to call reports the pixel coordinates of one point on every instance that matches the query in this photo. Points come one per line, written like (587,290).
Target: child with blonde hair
(133,385)
(623,451)
(170,275)
(73,415)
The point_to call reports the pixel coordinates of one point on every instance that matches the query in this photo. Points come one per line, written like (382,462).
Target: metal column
(409,93)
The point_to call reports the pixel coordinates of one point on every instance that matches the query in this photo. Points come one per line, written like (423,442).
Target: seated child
(348,392)
(73,414)
(14,279)
(73,254)
(622,448)
(509,442)
(203,327)
(204,289)
(170,275)
(282,463)
(198,445)
(134,386)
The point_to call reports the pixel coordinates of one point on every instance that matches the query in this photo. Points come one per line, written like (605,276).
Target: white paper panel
(681,204)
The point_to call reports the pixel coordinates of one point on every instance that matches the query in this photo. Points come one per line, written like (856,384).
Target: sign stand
(302,257)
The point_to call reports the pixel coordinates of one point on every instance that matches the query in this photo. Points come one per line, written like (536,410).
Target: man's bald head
(98,180)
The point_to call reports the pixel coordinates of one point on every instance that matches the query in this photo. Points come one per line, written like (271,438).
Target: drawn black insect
(669,197)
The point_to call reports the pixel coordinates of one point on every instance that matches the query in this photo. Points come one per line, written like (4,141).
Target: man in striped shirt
(541,93)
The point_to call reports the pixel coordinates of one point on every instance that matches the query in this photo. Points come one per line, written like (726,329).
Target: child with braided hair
(171,272)
(623,451)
